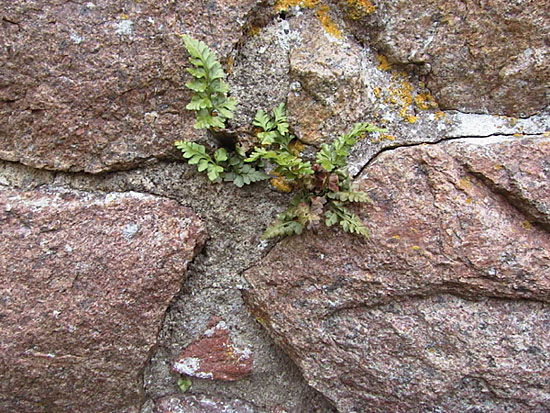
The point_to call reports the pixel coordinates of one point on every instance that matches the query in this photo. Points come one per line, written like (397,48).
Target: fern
(276,140)
(335,155)
(350,196)
(210,101)
(283,229)
(349,222)
(242,174)
(324,187)
(196,155)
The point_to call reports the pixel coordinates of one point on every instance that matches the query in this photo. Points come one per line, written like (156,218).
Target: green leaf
(210,102)
(197,85)
(331,218)
(279,113)
(267,138)
(283,229)
(220,155)
(214,172)
(263,121)
(184,383)
(197,72)
(203,165)
(193,46)
(348,220)
(350,196)
(199,102)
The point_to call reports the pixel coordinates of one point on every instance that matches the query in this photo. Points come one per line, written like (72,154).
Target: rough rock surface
(93,86)
(447,306)
(214,356)
(201,404)
(491,56)
(86,280)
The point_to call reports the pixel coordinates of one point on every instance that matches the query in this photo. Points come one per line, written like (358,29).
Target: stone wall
(124,270)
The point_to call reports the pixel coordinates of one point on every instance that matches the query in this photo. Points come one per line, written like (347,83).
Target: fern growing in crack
(210,101)
(323,188)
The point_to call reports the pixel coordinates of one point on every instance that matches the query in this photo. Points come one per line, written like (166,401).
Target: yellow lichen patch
(518,135)
(384,63)
(415,248)
(547,133)
(468,200)
(498,167)
(360,8)
(425,101)
(323,14)
(254,30)
(512,121)
(464,184)
(322,11)
(402,95)
(387,137)
(527,225)
(439,115)
(296,147)
(281,184)
(396,237)
(377,92)
(286,4)
(229,65)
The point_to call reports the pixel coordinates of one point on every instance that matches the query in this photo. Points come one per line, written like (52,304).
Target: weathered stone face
(214,356)
(491,56)
(95,86)
(86,280)
(446,306)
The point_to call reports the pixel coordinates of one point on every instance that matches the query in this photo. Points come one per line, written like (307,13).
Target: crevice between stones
(442,140)
(445,288)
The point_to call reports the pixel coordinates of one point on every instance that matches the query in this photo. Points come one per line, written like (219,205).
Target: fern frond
(196,155)
(335,155)
(350,196)
(338,214)
(210,102)
(283,229)
(243,174)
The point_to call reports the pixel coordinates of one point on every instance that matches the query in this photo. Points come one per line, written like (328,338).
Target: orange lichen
(254,30)
(296,147)
(425,101)
(281,184)
(464,184)
(322,11)
(439,115)
(286,4)
(527,225)
(323,14)
(384,63)
(360,8)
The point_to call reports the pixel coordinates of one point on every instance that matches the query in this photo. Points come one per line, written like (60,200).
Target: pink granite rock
(214,356)
(86,280)
(99,85)
(479,56)
(447,306)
